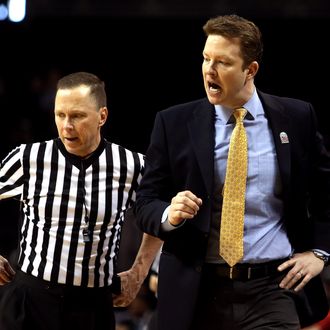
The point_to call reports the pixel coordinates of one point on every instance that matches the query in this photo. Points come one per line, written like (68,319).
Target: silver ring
(300,273)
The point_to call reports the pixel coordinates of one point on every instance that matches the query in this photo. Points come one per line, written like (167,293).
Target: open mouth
(213,87)
(70,139)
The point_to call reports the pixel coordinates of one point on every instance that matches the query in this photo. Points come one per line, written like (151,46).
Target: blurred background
(149,53)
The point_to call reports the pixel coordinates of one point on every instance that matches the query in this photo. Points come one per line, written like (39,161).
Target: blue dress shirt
(265,237)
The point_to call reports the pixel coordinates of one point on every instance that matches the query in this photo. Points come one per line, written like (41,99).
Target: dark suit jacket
(181,157)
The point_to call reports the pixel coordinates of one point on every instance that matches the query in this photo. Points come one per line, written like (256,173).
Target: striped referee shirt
(63,197)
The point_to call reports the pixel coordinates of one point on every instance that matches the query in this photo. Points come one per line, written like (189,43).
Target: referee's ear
(103,116)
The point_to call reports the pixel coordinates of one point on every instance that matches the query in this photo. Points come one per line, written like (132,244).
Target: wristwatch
(321,256)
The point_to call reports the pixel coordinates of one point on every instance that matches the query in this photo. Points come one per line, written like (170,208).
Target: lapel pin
(284,137)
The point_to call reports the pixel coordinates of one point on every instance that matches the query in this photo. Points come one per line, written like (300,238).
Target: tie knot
(239,114)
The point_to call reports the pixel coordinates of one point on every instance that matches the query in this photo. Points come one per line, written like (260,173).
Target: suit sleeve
(154,192)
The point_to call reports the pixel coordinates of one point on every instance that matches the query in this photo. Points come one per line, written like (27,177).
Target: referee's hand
(6,271)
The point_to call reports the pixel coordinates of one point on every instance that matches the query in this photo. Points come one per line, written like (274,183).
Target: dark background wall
(149,54)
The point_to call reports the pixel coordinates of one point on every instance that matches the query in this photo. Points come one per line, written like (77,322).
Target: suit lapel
(201,130)
(280,125)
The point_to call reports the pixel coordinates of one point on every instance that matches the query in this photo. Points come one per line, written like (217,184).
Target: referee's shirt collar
(78,161)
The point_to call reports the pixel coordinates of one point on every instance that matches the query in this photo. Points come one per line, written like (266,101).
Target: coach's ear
(252,70)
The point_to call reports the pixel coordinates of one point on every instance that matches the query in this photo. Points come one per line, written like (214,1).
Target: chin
(72,151)
(213,99)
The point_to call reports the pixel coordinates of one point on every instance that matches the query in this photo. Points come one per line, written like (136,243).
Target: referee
(74,191)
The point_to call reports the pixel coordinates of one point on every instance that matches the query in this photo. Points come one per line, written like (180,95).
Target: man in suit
(276,283)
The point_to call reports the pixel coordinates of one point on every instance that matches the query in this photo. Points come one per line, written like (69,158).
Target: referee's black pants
(30,303)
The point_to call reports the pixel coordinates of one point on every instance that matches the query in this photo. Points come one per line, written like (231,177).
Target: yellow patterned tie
(232,215)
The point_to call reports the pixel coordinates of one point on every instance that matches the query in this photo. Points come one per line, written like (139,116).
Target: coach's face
(79,120)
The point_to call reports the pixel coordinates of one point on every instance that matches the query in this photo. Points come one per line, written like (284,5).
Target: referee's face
(78,120)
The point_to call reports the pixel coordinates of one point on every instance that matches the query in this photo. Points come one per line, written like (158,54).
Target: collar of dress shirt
(253,106)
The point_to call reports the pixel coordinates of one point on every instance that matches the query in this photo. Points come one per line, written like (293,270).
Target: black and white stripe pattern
(58,190)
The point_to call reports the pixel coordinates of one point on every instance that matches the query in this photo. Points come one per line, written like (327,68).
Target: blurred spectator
(41,98)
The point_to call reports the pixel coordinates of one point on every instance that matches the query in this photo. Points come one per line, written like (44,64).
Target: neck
(244,96)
